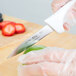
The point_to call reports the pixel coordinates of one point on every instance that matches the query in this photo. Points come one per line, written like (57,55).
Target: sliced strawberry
(0,27)
(8,29)
(2,24)
(20,28)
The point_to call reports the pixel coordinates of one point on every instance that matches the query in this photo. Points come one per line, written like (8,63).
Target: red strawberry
(2,24)
(20,28)
(8,29)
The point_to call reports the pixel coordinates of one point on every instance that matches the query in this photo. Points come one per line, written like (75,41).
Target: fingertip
(57,4)
(66,26)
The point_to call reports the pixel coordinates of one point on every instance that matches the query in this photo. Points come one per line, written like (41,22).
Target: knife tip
(12,54)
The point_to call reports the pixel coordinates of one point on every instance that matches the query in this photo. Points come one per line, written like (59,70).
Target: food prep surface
(8,67)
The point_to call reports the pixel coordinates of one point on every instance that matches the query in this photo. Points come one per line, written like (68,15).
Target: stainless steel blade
(32,40)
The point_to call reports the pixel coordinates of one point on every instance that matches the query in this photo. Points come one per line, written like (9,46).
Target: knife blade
(32,40)
(55,22)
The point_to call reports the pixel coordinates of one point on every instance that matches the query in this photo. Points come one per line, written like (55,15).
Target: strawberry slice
(2,24)
(20,28)
(8,29)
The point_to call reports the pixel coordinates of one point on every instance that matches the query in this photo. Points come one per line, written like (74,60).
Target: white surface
(32,10)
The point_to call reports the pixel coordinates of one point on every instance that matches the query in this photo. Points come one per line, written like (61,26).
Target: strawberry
(2,24)
(9,29)
(20,28)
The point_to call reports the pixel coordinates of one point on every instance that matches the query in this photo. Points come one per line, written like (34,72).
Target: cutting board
(14,41)
(8,67)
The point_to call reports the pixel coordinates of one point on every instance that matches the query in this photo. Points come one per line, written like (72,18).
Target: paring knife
(55,23)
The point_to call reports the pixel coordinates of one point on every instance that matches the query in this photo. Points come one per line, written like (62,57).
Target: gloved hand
(48,62)
(70,18)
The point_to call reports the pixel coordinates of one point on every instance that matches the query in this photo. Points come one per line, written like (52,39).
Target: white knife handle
(56,21)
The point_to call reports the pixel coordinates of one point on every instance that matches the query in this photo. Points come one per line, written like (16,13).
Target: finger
(66,26)
(57,4)
(41,69)
(51,69)
(48,54)
(70,18)
(29,70)
(74,10)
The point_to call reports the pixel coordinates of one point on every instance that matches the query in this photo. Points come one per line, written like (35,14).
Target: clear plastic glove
(48,62)
(70,18)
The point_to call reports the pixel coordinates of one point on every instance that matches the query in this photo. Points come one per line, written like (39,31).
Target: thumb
(57,4)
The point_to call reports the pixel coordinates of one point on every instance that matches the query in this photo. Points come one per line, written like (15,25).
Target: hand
(71,14)
(48,62)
